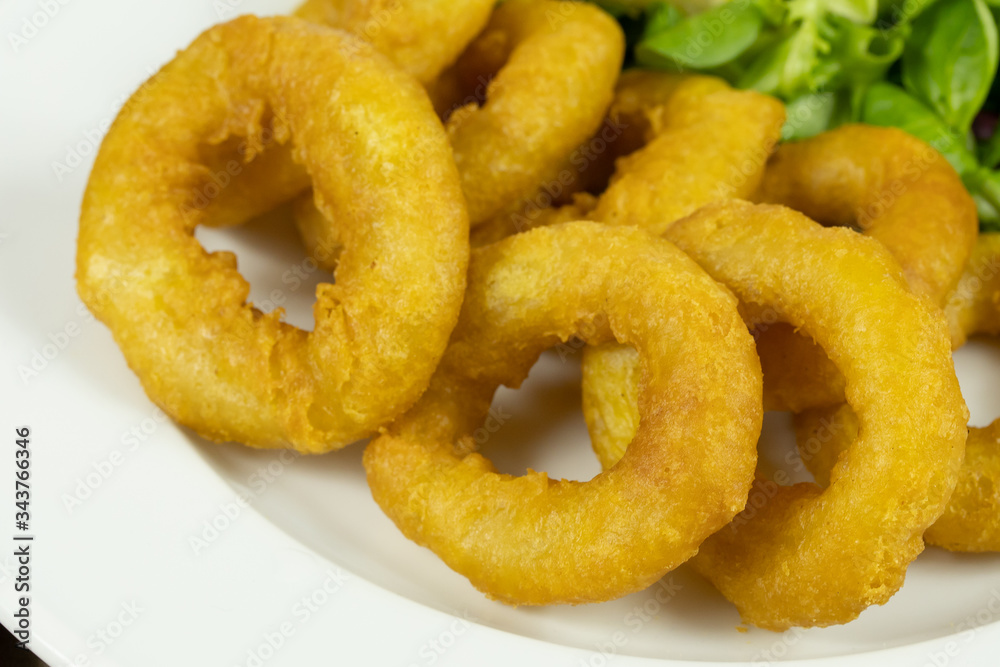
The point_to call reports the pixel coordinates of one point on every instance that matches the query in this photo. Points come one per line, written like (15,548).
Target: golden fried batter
(531,540)
(892,187)
(971,521)
(671,154)
(802,555)
(381,168)
(421,38)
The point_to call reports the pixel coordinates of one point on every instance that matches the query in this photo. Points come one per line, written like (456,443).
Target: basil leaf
(661,17)
(809,115)
(951,59)
(890,106)
(993,98)
(894,13)
(703,41)
(986,191)
(989,218)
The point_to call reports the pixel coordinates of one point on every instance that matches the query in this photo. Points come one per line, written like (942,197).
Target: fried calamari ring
(687,161)
(399,29)
(971,521)
(421,38)
(890,185)
(672,156)
(382,170)
(974,307)
(808,556)
(251,175)
(894,188)
(323,241)
(531,540)
(799,374)
(556,64)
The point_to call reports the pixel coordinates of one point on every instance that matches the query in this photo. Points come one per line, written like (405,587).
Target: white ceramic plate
(142,557)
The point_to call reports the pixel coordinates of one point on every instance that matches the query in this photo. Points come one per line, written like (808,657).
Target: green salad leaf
(789,66)
(702,41)
(859,11)
(811,114)
(861,55)
(989,152)
(951,59)
(928,67)
(661,17)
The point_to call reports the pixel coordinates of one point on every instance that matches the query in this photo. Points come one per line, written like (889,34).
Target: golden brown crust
(806,556)
(383,171)
(666,156)
(506,225)
(703,142)
(531,540)
(534,62)
(971,521)
(974,306)
(555,66)
(421,38)
(797,373)
(892,187)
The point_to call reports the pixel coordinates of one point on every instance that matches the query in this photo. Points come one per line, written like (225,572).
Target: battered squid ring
(686,161)
(179,314)
(893,187)
(974,307)
(400,30)
(421,38)
(672,158)
(531,540)
(555,66)
(552,60)
(896,189)
(808,556)
(971,521)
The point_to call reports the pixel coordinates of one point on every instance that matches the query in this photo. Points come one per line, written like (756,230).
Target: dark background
(12,656)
